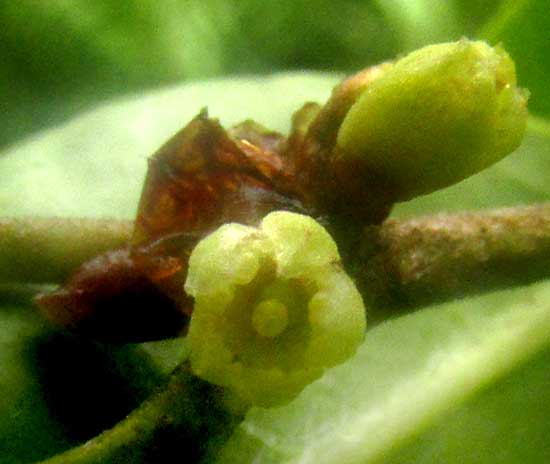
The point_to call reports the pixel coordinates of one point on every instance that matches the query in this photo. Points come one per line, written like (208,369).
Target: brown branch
(423,260)
(40,250)
(402,263)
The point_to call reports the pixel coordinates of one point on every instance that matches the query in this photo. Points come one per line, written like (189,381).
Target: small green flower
(273,308)
(437,116)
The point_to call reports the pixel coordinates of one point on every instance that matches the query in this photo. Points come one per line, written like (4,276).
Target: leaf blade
(421,367)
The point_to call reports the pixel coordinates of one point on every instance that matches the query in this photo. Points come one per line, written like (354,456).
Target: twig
(423,260)
(402,263)
(46,250)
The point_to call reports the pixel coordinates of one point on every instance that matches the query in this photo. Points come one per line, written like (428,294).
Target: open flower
(273,308)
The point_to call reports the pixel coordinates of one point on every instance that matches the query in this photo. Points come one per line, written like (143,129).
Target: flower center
(270,318)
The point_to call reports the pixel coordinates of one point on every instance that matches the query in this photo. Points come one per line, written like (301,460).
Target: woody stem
(47,250)
(408,263)
(401,263)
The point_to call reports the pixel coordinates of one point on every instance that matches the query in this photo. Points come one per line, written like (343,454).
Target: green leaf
(57,390)
(420,22)
(410,380)
(423,386)
(23,409)
(521,25)
(63,57)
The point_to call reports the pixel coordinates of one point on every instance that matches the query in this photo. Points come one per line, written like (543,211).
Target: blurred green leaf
(58,390)
(418,374)
(394,400)
(420,22)
(63,56)
(460,382)
(24,411)
(522,27)
(60,57)
(70,171)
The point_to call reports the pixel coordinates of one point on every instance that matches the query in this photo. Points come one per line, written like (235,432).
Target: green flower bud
(437,116)
(273,308)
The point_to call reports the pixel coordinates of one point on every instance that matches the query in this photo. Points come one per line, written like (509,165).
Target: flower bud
(273,308)
(437,116)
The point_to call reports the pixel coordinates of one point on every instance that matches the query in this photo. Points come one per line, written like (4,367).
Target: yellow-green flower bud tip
(437,116)
(273,308)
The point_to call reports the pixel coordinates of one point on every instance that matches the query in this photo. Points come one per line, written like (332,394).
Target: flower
(273,308)
(437,116)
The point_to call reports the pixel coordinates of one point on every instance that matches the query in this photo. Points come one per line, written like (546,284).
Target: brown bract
(329,184)
(203,177)
(111,299)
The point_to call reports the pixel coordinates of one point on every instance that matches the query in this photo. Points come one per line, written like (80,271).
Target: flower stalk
(180,415)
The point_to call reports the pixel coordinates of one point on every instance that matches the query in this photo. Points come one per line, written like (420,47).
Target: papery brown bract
(109,298)
(200,179)
(203,177)
(325,184)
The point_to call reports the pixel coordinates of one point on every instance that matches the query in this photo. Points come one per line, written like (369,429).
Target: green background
(62,56)
(462,382)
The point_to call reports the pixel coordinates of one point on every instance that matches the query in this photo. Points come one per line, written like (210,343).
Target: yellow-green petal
(266,331)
